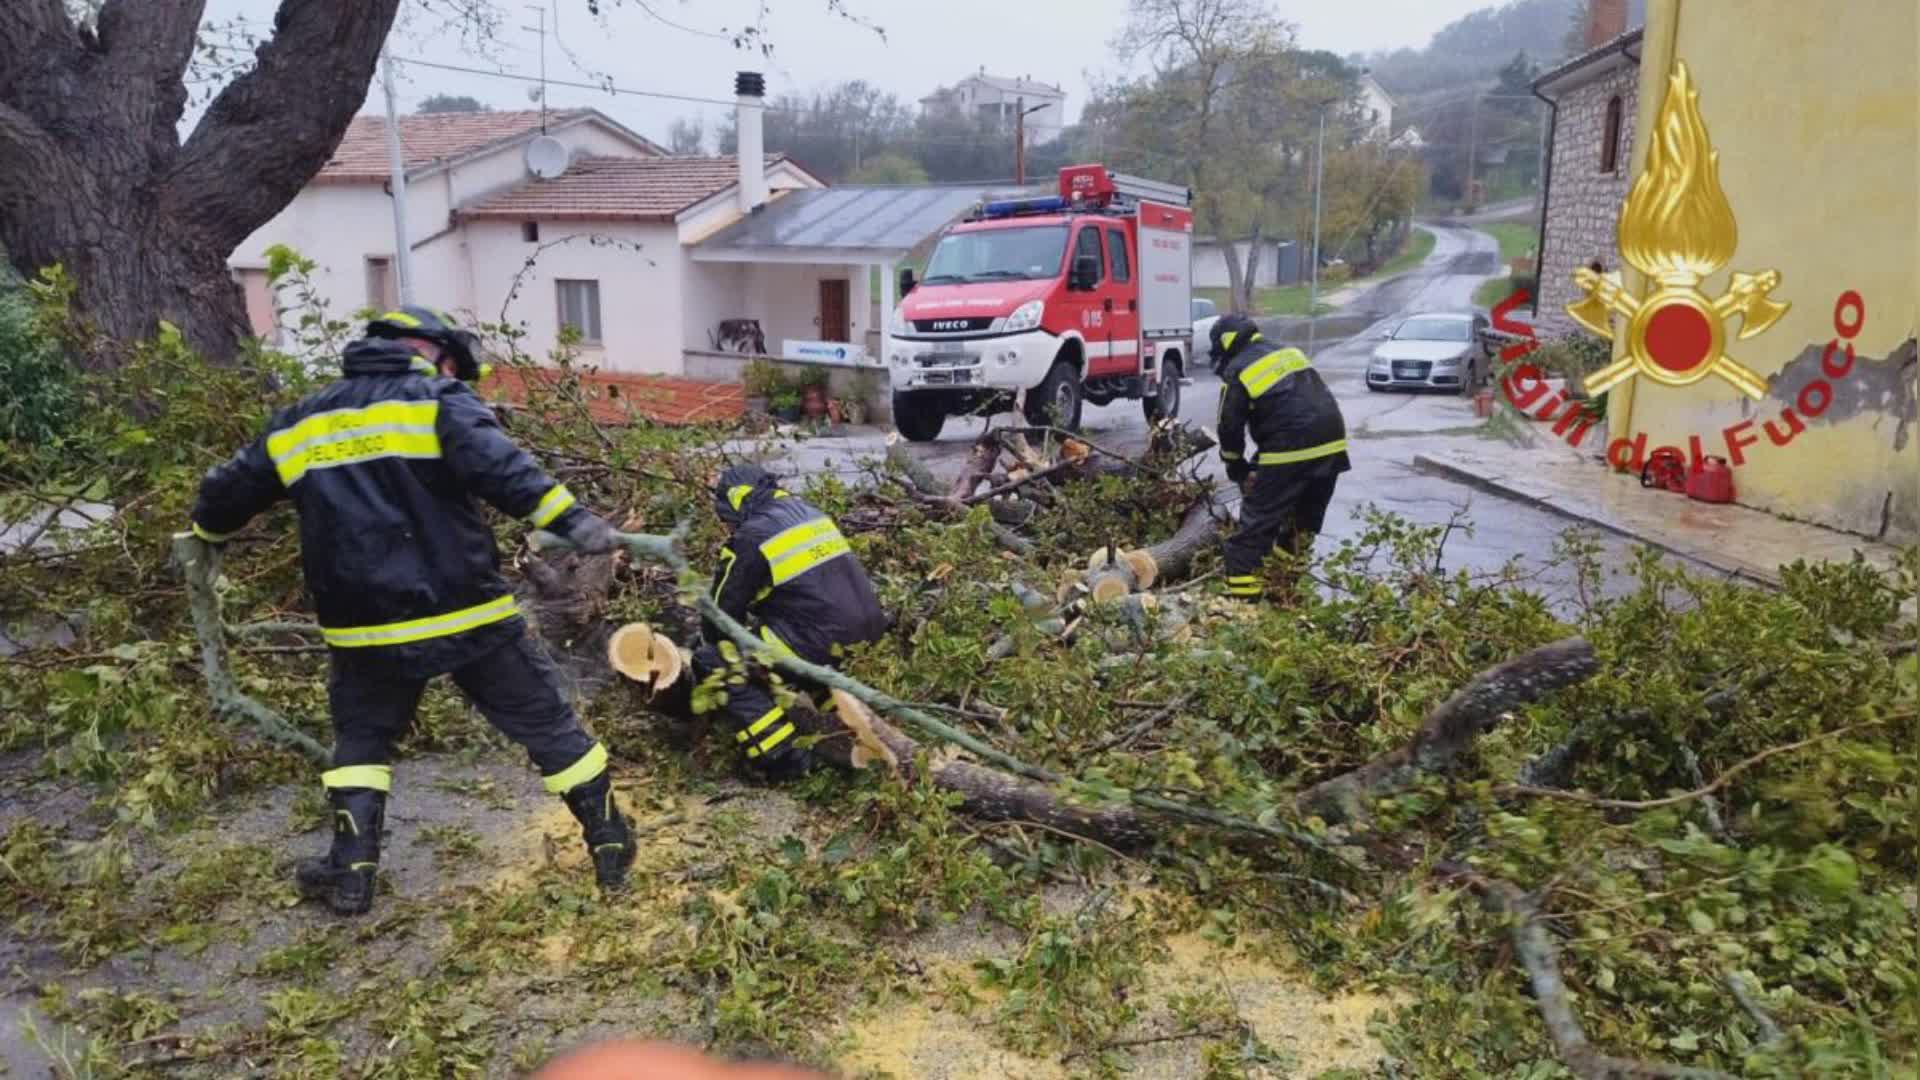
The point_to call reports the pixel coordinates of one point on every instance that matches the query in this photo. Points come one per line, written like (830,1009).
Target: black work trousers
(756,723)
(1286,506)
(513,685)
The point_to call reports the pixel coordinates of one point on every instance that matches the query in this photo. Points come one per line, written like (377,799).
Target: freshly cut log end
(1145,570)
(1074,450)
(650,659)
(868,746)
(1110,587)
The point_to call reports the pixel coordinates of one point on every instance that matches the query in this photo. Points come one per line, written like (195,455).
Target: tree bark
(1171,558)
(94,177)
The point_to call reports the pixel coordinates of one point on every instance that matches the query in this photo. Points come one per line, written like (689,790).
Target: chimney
(749,88)
(1606,20)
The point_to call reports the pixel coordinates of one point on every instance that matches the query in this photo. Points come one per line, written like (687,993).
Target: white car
(1436,351)
(1204,316)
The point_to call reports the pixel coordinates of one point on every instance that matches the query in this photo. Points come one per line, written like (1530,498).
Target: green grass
(1492,291)
(1516,238)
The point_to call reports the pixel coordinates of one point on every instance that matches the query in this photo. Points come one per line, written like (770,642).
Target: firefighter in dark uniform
(788,574)
(1302,447)
(383,467)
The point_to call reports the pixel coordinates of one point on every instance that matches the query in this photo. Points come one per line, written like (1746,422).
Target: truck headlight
(1025,317)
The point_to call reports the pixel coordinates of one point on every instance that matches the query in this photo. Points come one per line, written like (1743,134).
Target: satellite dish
(547,157)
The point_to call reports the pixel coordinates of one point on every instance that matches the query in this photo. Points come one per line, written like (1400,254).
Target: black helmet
(736,485)
(429,324)
(1229,335)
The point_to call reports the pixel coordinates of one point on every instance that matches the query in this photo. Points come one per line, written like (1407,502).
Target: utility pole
(1019,142)
(1473,138)
(1313,287)
(397,162)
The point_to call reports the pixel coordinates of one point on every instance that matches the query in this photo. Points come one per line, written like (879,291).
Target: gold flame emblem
(1677,228)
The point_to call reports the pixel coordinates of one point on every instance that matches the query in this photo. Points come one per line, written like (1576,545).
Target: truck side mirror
(1086,271)
(906,280)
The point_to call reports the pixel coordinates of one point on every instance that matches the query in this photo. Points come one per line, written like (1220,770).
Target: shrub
(39,392)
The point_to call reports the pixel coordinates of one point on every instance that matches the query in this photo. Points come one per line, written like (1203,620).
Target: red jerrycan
(1710,481)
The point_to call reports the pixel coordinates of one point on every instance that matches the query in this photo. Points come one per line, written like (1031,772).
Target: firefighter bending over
(382,467)
(1302,447)
(787,568)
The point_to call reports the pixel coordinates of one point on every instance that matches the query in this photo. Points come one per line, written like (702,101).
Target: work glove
(590,534)
(1238,471)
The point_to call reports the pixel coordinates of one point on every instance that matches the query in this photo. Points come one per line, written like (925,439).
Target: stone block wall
(1583,203)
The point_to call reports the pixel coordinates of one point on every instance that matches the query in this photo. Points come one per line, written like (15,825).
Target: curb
(1428,464)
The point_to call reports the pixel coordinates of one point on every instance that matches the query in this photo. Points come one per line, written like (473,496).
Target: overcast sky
(928,43)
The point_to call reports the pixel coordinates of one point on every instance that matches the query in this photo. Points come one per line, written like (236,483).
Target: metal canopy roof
(850,223)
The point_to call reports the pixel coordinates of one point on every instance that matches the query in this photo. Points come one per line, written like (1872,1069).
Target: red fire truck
(1045,303)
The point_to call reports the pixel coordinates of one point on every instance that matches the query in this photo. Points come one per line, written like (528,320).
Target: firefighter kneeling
(787,568)
(1302,442)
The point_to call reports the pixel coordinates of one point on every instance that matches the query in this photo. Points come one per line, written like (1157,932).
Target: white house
(998,99)
(1378,105)
(605,246)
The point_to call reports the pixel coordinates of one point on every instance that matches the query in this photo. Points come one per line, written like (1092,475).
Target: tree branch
(1725,778)
(274,127)
(149,44)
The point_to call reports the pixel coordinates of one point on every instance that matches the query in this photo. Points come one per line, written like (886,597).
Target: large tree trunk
(94,177)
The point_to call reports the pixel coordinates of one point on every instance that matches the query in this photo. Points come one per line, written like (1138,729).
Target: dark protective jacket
(788,568)
(1276,394)
(383,466)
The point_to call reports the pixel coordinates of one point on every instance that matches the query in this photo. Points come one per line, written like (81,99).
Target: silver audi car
(1441,351)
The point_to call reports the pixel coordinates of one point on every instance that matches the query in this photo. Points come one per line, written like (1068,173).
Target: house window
(383,293)
(1088,244)
(580,309)
(1117,248)
(1610,147)
(530,231)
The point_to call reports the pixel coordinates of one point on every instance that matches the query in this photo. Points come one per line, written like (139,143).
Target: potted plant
(763,382)
(813,392)
(786,405)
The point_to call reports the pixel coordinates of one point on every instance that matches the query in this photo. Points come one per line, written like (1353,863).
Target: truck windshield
(997,255)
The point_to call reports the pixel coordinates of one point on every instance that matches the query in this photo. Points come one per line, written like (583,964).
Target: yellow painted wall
(1814,109)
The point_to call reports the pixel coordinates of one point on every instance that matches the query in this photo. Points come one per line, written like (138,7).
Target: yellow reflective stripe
(801,548)
(423,365)
(349,436)
(754,729)
(591,765)
(738,493)
(399,317)
(1287,457)
(374,777)
(1260,375)
(1230,455)
(558,500)
(400,633)
(208,536)
(780,735)
(1227,339)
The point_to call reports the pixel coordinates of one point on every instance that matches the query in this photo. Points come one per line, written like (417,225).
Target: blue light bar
(1010,207)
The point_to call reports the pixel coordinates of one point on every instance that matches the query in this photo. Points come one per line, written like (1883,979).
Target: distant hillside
(1473,48)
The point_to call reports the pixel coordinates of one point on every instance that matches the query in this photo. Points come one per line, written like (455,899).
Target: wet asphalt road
(1385,430)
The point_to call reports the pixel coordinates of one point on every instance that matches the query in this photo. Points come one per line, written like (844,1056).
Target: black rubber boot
(344,876)
(609,837)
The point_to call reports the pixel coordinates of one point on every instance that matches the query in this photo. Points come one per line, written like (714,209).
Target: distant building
(1378,106)
(996,100)
(1595,97)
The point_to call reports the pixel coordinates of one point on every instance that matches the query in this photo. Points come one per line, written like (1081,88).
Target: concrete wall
(1813,110)
(1583,206)
(1210,264)
(636,265)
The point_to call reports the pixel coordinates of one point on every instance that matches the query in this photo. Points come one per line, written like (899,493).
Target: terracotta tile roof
(609,189)
(424,140)
(623,399)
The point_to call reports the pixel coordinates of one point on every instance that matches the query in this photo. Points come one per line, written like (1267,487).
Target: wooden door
(835,310)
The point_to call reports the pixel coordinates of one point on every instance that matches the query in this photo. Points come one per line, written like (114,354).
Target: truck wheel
(1056,401)
(1165,403)
(918,416)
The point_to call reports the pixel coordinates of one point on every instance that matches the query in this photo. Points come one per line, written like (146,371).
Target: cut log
(981,461)
(1168,560)
(918,475)
(650,659)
